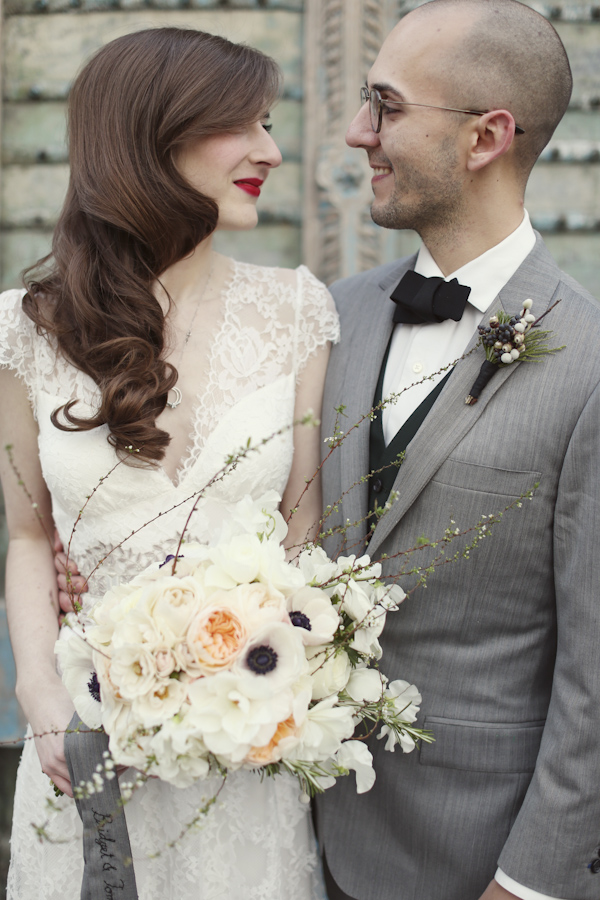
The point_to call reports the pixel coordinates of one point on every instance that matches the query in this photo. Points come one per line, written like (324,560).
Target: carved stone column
(342,39)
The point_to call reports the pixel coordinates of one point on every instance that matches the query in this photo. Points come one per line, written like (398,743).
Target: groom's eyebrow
(384,87)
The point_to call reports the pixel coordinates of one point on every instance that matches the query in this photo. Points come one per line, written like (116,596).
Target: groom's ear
(492,136)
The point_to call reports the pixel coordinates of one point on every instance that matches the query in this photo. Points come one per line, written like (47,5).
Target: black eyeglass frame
(376,111)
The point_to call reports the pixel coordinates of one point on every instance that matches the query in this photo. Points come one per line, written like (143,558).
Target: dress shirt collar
(487,274)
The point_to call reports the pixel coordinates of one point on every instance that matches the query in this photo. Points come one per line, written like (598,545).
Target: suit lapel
(451,419)
(363,364)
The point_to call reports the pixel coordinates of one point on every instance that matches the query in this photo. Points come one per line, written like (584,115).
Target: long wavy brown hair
(129,214)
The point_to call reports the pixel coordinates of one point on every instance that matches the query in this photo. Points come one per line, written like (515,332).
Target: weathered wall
(45,43)
(564,192)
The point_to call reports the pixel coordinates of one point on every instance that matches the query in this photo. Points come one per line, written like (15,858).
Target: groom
(504,645)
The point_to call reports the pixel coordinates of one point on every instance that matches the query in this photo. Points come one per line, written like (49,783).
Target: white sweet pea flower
(405,698)
(316,567)
(75,657)
(330,670)
(356,756)
(366,685)
(312,612)
(388,596)
(356,600)
(325,727)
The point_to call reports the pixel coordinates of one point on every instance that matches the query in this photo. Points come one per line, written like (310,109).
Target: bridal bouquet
(226,656)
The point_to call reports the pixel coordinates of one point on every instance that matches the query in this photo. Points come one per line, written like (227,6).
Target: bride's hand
(67,592)
(49,723)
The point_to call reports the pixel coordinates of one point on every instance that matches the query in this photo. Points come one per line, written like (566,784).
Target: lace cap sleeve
(316,317)
(17,333)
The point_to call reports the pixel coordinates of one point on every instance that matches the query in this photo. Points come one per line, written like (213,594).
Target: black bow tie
(419,299)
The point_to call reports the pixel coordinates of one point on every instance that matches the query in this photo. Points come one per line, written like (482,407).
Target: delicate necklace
(177,395)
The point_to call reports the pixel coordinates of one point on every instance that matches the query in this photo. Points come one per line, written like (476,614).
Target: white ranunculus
(312,612)
(132,671)
(366,685)
(172,603)
(356,756)
(76,662)
(138,627)
(160,704)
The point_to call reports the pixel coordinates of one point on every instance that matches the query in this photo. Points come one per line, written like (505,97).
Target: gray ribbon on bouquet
(108,870)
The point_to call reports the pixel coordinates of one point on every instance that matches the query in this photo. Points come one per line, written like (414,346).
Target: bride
(136,341)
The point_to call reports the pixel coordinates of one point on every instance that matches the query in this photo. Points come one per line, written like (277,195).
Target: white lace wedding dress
(257,843)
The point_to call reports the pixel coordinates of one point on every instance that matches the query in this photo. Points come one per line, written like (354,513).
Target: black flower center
(300,620)
(262,660)
(94,687)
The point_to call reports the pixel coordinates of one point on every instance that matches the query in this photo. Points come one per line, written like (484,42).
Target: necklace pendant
(177,398)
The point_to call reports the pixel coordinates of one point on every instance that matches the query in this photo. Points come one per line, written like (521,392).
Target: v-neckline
(194,448)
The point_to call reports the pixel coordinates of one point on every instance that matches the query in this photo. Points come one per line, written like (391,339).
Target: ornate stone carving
(343,38)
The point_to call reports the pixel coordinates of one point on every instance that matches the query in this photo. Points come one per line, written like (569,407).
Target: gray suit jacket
(505,645)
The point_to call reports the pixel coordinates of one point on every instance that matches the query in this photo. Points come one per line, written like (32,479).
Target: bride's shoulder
(277,274)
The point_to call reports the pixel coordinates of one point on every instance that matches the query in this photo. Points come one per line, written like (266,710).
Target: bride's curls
(129,214)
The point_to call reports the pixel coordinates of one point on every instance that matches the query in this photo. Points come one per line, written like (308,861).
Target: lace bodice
(272,321)
(256,843)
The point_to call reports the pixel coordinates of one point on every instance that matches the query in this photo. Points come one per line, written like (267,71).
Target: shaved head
(509,58)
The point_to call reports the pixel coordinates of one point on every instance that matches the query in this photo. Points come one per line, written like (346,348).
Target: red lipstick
(250,185)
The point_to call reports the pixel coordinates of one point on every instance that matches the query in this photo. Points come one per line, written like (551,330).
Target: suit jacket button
(377,485)
(595,866)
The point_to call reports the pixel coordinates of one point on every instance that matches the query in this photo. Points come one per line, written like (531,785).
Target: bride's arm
(31,594)
(307,456)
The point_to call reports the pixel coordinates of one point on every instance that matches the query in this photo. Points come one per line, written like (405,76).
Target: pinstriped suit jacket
(505,645)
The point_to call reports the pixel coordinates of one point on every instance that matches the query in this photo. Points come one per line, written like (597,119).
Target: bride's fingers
(65,602)
(60,564)
(76,584)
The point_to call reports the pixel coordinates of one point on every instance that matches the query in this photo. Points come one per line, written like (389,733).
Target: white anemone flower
(312,612)
(272,661)
(79,676)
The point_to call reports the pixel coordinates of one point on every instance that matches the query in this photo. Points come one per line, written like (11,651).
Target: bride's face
(230,168)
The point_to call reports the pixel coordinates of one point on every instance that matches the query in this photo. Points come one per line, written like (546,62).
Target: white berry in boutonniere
(510,339)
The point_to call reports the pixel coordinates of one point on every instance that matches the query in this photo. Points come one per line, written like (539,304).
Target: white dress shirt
(417,351)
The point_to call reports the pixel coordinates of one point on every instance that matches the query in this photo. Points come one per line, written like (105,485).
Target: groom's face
(418,176)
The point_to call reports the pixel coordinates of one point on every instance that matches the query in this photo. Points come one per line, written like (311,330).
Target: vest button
(377,486)
(595,866)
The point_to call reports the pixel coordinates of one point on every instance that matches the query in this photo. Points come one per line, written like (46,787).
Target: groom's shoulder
(347,290)
(351,294)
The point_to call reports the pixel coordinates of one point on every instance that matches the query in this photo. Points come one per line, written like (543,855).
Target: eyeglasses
(377,105)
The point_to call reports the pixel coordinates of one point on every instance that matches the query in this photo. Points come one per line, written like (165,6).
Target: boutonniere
(510,339)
